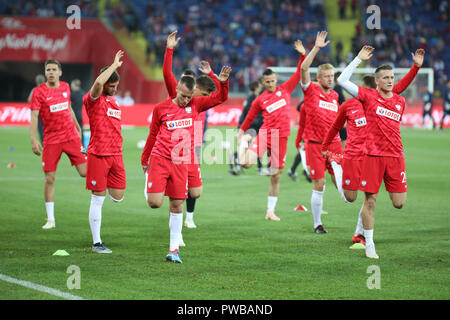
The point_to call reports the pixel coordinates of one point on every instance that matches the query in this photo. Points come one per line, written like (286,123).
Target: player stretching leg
(384,158)
(273,103)
(51,102)
(321,107)
(352,112)
(105,168)
(168,149)
(205,85)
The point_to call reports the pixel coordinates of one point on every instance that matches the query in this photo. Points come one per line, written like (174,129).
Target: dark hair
(206,83)
(114,76)
(369,81)
(268,72)
(188,82)
(383,67)
(53,61)
(253,86)
(189,73)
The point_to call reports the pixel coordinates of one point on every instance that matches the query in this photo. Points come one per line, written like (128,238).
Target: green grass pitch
(234,253)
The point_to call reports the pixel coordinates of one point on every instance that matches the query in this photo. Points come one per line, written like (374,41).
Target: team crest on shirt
(64,94)
(398,107)
(278,93)
(188,109)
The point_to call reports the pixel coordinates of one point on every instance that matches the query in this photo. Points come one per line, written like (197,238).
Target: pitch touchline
(40,288)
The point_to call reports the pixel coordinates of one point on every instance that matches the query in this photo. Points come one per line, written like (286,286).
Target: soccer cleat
(308,178)
(270,215)
(320,229)
(84,151)
(292,175)
(49,225)
(189,223)
(233,172)
(359,239)
(174,256)
(370,251)
(99,247)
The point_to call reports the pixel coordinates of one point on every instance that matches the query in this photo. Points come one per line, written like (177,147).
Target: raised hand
(320,39)
(204,67)
(172,40)
(418,57)
(117,58)
(224,73)
(366,53)
(299,47)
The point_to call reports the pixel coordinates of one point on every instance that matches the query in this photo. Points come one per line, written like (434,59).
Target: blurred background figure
(127,100)
(76,98)
(40,79)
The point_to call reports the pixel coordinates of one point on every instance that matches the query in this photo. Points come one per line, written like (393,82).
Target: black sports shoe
(320,229)
(232,172)
(292,175)
(307,176)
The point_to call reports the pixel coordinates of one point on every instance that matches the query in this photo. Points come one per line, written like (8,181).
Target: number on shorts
(403,173)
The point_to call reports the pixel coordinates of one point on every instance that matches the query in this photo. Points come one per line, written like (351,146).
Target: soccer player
(274,104)
(321,107)
(427,99)
(204,86)
(76,97)
(169,150)
(40,79)
(301,151)
(105,167)
(384,156)
(352,113)
(255,89)
(51,102)
(446,109)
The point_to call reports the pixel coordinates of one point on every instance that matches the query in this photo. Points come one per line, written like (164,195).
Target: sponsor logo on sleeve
(59,107)
(177,124)
(388,113)
(328,105)
(276,105)
(114,113)
(361,122)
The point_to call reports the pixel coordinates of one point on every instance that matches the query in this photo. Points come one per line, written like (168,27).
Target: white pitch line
(40,288)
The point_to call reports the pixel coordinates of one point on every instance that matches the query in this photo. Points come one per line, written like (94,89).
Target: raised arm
(97,87)
(151,139)
(344,79)
(219,96)
(205,68)
(301,127)
(169,79)
(292,82)
(404,82)
(337,125)
(319,44)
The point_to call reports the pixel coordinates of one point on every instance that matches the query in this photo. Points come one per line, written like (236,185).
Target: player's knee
(195,194)
(350,196)
(116,200)
(398,204)
(49,179)
(154,204)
